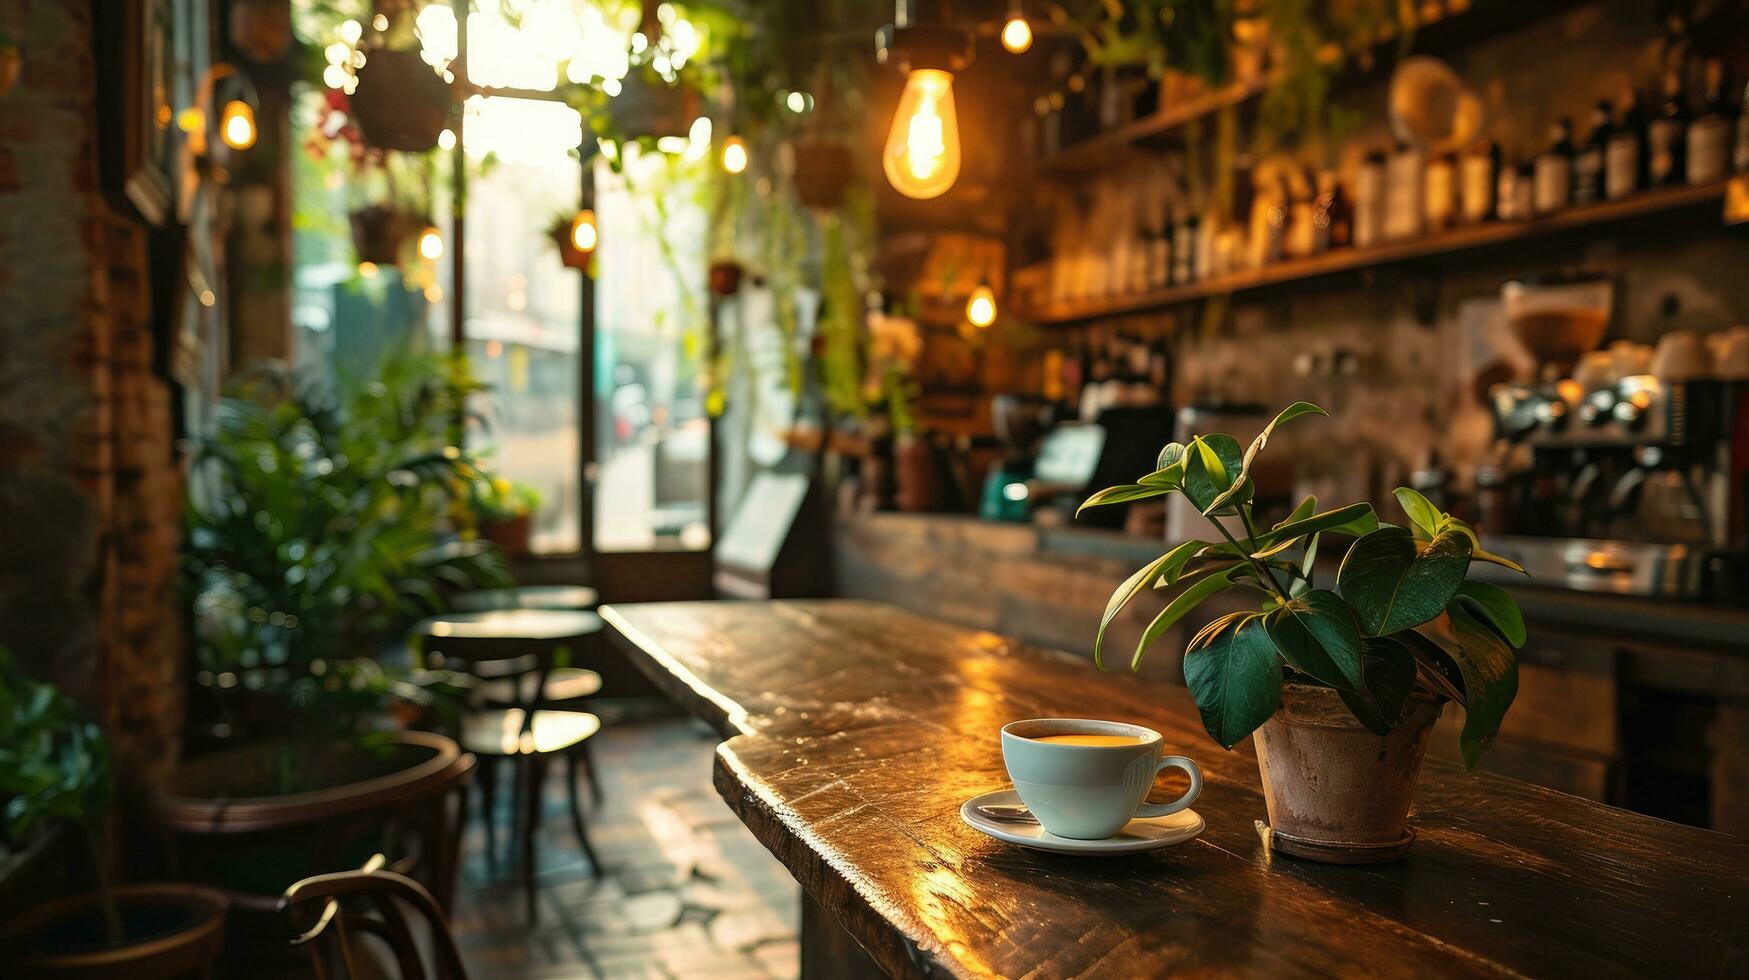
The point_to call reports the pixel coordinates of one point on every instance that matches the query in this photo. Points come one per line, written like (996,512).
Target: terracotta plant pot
(1335,791)
(725,278)
(919,478)
(400,102)
(569,254)
(510,534)
(171,930)
(261,29)
(378,233)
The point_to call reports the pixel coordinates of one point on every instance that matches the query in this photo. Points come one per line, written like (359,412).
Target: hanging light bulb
(583,234)
(237,125)
(981,308)
(734,154)
(431,244)
(1016,33)
(922,156)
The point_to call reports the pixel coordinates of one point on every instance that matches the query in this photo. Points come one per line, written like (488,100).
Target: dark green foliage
(1403,619)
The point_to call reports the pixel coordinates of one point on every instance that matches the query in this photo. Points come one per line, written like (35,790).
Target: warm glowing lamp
(922,157)
(237,125)
(734,155)
(1016,33)
(431,244)
(583,234)
(981,308)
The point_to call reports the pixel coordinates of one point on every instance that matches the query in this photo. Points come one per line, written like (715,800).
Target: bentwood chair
(511,652)
(332,916)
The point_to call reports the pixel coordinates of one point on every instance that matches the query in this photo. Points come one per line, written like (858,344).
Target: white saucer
(1140,834)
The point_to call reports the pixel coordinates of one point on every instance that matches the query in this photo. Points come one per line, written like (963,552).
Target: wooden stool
(512,651)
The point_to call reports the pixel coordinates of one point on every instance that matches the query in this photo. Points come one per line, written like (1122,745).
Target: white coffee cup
(1088,792)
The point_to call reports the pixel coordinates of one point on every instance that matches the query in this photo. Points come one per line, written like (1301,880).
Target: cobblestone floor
(687,891)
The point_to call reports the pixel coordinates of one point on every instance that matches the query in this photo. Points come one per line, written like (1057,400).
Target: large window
(652,345)
(524,319)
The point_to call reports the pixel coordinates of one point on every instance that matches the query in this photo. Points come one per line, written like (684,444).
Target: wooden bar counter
(854,731)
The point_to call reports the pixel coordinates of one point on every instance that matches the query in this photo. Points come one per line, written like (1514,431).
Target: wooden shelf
(1485,19)
(1353,259)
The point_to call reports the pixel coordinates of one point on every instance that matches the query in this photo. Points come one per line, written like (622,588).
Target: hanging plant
(725,277)
(379,231)
(651,107)
(575,237)
(401,103)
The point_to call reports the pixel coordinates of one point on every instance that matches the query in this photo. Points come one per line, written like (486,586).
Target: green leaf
(1235,680)
(1306,508)
(1165,565)
(1489,672)
(1476,550)
(1171,454)
(1242,479)
(1178,608)
(1123,495)
(1389,670)
(1210,463)
(1391,588)
(1316,634)
(1421,511)
(1355,519)
(1492,605)
(1170,471)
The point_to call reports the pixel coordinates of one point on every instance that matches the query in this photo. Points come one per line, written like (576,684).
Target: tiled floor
(687,891)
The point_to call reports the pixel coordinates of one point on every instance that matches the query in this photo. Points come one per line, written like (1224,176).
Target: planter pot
(170,930)
(822,172)
(232,826)
(510,535)
(919,479)
(725,278)
(400,102)
(1335,791)
(647,106)
(261,29)
(569,254)
(378,233)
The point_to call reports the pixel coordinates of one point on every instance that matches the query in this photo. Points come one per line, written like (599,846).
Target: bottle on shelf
(1552,176)
(1740,151)
(1184,236)
(1588,164)
(1439,193)
(1709,135)
(1369,201)
(1624,156)
(1667,134)
(1476,182)
(1403,192)
(1332,216)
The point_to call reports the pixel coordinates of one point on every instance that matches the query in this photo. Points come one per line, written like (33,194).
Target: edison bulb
(583,234)
(922,156)
(431,244)
(734,154)
(1016,34)
(981,308)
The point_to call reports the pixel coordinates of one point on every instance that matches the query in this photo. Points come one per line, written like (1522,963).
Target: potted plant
(54,770)
(1343,685)
(506,513)
(575,236)
(320,528)
(401,102)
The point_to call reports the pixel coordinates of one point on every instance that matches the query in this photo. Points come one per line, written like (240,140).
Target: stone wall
(90,488)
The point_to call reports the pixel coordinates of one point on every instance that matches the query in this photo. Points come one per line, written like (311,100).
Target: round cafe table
(560,597)
(511,651)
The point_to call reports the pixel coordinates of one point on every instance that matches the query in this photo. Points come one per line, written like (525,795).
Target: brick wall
(90,490)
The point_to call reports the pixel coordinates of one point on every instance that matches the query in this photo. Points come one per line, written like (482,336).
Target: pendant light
(981,307)
(1016,32)
(922,153)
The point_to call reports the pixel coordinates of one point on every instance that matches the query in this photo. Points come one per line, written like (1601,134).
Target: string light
(583,233)
(431,244)
(1016,33)
(981,308)
(237,125)
(734,154)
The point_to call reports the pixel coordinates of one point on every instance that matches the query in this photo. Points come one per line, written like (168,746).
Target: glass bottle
(1369,201)
(1740,152)
(1332,216)
(1439,193)
(1667,134)
(1553,173)
(1476,183)
(1709,136)
(1403,187)
(1624,157)
(1588,165)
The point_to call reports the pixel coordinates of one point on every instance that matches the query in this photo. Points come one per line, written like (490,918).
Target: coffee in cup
(1085,779)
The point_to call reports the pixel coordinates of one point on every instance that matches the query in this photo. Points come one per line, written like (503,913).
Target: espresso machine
(1617,473)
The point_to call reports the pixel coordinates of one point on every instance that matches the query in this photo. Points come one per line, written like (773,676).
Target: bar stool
(511,651)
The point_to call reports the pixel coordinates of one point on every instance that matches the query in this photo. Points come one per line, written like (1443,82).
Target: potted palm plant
(319,530)
(55,776)
(1342,686)
(507,513)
